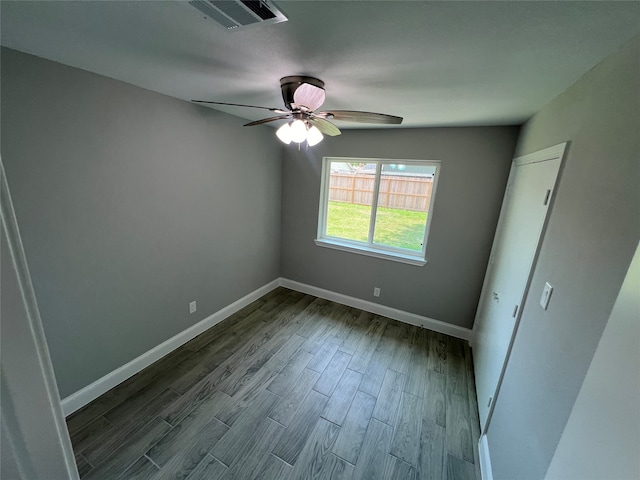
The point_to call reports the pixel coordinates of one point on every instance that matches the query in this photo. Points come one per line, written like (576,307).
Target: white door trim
(38,436)
(485,460)
(551,153)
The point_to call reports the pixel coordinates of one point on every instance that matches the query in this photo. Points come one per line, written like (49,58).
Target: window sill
(371,252)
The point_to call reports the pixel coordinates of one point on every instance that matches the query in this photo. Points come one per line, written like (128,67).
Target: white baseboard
(85,395)
(485,460)
(474,336)
(400,315)
(82,397)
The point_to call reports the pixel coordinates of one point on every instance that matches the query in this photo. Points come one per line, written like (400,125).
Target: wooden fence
(402,192)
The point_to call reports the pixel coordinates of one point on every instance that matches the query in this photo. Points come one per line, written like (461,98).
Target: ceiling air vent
(235,14)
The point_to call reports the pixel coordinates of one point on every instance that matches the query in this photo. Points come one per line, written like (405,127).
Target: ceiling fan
(302,97)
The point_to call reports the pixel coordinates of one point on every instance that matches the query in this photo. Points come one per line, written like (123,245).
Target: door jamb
(15,413)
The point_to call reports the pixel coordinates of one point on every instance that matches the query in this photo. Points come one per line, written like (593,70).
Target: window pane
(350,198)
(403,203)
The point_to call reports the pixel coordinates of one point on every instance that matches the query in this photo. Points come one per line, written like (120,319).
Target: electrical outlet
(192,307)
(376,291)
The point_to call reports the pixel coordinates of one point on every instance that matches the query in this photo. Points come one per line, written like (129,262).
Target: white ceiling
(434,63)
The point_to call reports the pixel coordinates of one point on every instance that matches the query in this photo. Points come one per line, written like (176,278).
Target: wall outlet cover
(546,295)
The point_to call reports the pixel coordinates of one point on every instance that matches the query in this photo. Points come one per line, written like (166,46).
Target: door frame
(39,439)
(556,152)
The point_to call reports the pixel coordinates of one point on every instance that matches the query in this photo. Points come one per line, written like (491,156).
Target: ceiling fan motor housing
(291,83)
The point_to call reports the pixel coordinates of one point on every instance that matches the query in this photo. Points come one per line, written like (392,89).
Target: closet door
(515,248)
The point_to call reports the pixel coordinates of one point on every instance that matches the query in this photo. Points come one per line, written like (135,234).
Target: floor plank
(367,344)
(354,427)
(291,386)
(234,443)
(321,359)
(256,455)
(93,428)
(403,348)
(288,406)
(459,469)
(291,444)
(389,398)
(316,460)
(142,469)
(127,389)
(360,324)
(435,398)
(381,359)
(332,374)
(208,469)
(186,444)
(317,332)
(406,439)
(431,457)
(284,381)
(105,443)
(339,403)
(199,365)
(175,412)
(273,468)
(145,405)
(82,464)
(458,438)
(438,352)
(375,450)
(396,468)
(417,381)
(126,453)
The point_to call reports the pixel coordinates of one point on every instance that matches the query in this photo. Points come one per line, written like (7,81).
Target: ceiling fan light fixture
(298,131)
(284,133)
(314,136)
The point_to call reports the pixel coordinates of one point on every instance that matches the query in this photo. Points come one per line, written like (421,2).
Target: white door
(515,247)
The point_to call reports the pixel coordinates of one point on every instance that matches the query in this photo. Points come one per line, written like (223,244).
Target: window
(377,207)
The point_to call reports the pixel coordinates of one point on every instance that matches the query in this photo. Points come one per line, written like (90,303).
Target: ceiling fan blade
(277,110)
(362,117)
(325,126)
(266,120)
(309,96)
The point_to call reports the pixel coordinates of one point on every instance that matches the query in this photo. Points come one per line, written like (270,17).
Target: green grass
(394,227)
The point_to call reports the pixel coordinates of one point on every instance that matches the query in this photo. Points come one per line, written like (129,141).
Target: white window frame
(370,248)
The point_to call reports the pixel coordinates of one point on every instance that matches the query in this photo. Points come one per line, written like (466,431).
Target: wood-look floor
(291,387)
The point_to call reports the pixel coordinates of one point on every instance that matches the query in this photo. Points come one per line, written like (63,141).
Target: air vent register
(236,14)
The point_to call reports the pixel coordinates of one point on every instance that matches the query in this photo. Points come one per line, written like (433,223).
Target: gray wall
(591,237)
(8,464)
(475,166)
(130,205)
(602,436)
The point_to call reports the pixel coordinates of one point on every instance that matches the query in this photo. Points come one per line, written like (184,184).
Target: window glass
(403,202)
(350,200)
(379,206)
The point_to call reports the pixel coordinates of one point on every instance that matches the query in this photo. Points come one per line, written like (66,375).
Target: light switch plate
(546,295)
